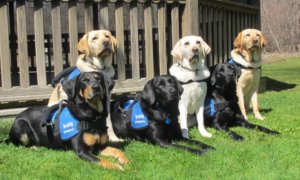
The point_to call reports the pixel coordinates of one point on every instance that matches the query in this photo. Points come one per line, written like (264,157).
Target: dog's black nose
(105,42)
(255,41)
(96,87)
(195,50)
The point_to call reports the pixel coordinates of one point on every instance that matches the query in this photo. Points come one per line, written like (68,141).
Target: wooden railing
(38,38)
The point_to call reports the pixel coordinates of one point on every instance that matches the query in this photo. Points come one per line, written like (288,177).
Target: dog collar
(231,61)
(193,70)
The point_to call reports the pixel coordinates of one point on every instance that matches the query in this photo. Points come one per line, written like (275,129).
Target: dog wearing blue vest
(152,115)
(78,124)
(96,54)
(246,55)
(221,104)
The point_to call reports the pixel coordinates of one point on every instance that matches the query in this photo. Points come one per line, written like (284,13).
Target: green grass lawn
(259,156)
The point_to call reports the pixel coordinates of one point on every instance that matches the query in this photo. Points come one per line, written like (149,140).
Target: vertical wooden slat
(120,36)
(225,35)
(56,34)
(175,25)
(88,16)
(220,36)
(22,44)
(104,16)
(134,41)
(163,69)
(215,35)
(238,22)
(39,43)
(210,32)
(4,46)
(73,32)
(204,23)
(191,19)
(234,26)
(148,41)
(230,37)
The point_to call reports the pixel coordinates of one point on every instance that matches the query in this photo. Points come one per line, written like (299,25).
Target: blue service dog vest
(73,74)
(138,119)
(209,107)
(67,123)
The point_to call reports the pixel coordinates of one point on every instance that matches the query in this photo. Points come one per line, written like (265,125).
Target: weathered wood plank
(163,69)
(22,43)
(56,33)
(4,46)
(134,41)
(210,33)
(148,41)
(225,35)
(103,16)
(229,35)
(215,36)
(220,36)
(39,43)
(192,10)
(130,85)
(175,25)
(73,32)
(120,36)
(88,16)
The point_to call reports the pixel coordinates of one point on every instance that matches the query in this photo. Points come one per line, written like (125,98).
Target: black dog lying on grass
(79,124)
(152,115)
(221,107)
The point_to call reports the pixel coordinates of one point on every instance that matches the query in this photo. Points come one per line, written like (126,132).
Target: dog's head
(89,87)
(224,75)
(98,43)
(190,49)
(162,90)
(250,40)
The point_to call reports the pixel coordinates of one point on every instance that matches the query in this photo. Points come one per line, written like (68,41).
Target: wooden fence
(37,43)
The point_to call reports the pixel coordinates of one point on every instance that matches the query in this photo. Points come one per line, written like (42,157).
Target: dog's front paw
(109,165)
(204,133)
(185,133)
(259,117)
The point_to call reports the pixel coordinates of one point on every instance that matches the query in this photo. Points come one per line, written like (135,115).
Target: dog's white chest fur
(192,96)
(184,75)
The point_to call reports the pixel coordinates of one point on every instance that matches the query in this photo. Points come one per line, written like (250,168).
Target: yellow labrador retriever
(96,48)
(247,55)
(191,72)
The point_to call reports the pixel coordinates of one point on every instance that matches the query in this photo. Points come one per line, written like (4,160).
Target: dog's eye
(161,83)
(106,35)
(258,35)
(170,81)
(186,43)
(86,80)
(95,38)
(198,42)
(248,35)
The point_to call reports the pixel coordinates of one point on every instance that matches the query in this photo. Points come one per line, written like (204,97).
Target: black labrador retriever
(221,107)
(152,115)
(78,123)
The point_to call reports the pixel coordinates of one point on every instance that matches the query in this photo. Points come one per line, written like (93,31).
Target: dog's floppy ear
(109,83)
(176,51)
(70,87)
(205,47)
(238,41)
(83,45)
(114,43)
(148,93)
(262,40)
(214,70)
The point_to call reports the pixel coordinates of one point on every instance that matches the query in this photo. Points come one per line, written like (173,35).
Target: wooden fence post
(190,18)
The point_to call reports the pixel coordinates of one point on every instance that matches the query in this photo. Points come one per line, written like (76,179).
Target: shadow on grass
(268,84)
